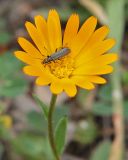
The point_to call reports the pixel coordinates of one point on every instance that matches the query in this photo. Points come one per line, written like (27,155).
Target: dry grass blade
(95,8)
(117,31)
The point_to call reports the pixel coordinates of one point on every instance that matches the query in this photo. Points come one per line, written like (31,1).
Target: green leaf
(32,147)
(5,37)
(43,107)
(105,109)
(35,118)
(10,65)
(125,109)
(105,93)
(102,151)
(13,87)
(125,78)
(86,132)
(11,82)
(102,109)
(60,112)
(82,95)
(60,134)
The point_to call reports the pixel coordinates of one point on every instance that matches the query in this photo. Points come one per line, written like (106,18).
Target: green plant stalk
(50,126)
(116,16)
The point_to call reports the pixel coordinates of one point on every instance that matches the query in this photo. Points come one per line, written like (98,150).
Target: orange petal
(83,35)
(43,31)
(92,70)
(43,80)
(29,48)
(103,60)
(96,79)
(56,87)
(70,89)
(54,30)
(90,54)
(32,71)
(82,82)
(71,29)
(97,37)
(33,32)
(23,56)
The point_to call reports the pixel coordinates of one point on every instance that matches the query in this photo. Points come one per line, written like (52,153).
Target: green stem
(50,126)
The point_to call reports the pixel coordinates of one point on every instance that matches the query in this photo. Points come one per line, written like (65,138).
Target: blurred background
(98,119)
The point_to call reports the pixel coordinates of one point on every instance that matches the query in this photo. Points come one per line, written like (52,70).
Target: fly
(56,55)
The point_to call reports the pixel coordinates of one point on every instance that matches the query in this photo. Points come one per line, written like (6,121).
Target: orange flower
(82,67)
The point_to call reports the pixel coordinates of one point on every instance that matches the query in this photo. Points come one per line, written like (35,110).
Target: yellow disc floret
(62,68)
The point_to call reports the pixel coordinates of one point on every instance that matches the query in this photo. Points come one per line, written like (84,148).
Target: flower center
(61,68)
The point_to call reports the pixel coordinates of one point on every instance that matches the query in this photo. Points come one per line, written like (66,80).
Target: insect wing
(60,53)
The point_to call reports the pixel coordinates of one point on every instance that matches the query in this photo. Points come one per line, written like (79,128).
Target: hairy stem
(50,126)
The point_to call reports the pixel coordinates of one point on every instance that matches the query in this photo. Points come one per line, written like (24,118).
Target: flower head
(84,63)
(6,121)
